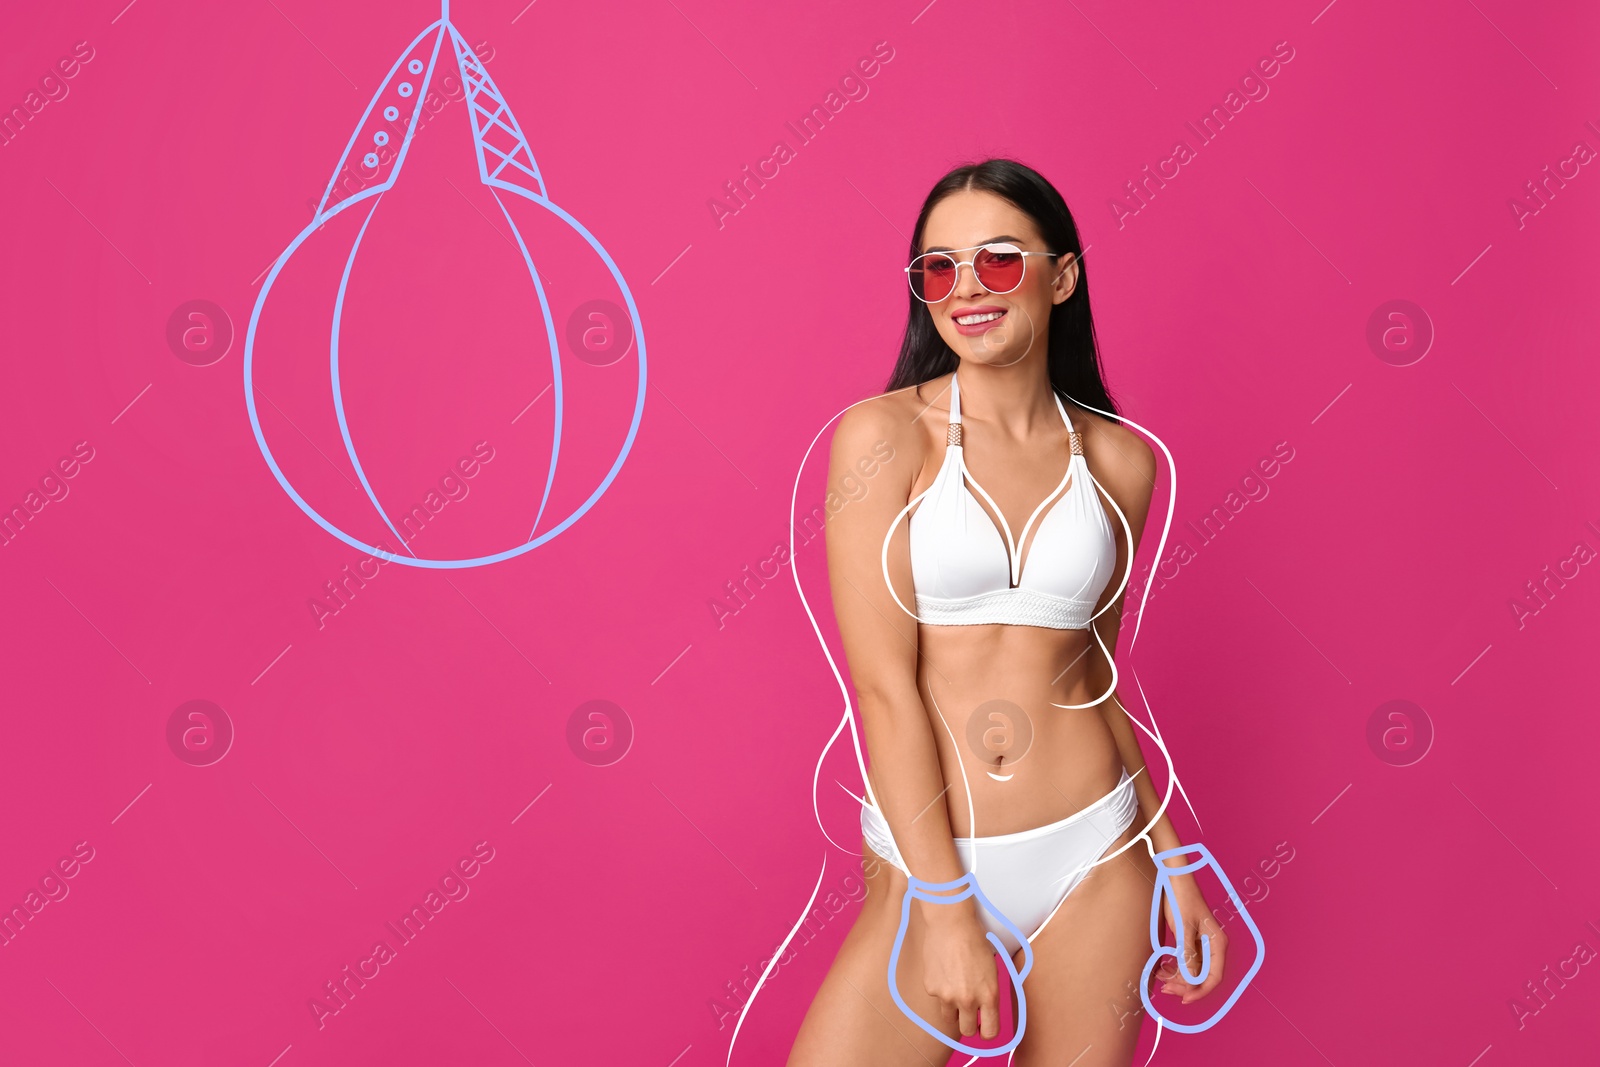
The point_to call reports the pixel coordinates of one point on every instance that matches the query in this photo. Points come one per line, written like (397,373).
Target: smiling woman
(988,571)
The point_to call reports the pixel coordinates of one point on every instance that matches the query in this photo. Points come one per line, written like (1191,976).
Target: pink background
(376,750)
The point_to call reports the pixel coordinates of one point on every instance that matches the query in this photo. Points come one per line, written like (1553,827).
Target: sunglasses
(998,267)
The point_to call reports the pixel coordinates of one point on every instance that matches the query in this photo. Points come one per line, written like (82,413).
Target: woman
(987,702)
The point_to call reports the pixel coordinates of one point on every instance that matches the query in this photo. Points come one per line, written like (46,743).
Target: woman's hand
(958,968)
(1197,921)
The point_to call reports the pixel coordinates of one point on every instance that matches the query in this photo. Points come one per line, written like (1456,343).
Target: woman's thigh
(853,1020)
(1083,993)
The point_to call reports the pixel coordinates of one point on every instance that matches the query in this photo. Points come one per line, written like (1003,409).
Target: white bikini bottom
(1027,874)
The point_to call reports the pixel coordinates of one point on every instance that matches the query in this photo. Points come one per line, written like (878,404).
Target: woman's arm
(880,644)
(880,640)
(1125,467)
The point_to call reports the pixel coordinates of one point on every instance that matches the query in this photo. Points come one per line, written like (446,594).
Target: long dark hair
(1073,357)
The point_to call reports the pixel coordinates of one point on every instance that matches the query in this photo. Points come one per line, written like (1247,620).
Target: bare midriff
(990,691)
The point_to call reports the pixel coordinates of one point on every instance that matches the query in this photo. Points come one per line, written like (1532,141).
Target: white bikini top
(965,574)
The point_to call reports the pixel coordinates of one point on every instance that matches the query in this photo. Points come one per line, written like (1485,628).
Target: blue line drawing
(505,165)
(333,374)
(968,884)
(1164,885)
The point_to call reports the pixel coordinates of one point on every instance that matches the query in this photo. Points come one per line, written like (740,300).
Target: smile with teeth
(973,320)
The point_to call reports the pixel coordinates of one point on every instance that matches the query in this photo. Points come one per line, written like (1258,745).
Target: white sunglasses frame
(1005,245)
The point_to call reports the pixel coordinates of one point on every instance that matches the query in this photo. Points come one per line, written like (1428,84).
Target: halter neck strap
(1063,409)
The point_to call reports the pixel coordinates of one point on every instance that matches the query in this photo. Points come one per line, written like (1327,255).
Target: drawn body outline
(847,719)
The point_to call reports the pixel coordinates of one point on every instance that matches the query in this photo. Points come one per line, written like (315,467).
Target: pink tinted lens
(1000,270)
(933,276)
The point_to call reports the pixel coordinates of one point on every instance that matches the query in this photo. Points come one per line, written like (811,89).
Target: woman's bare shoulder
(894,419)
(1118,455)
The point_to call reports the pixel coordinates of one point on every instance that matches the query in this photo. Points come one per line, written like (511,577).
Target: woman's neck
(1014,398)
